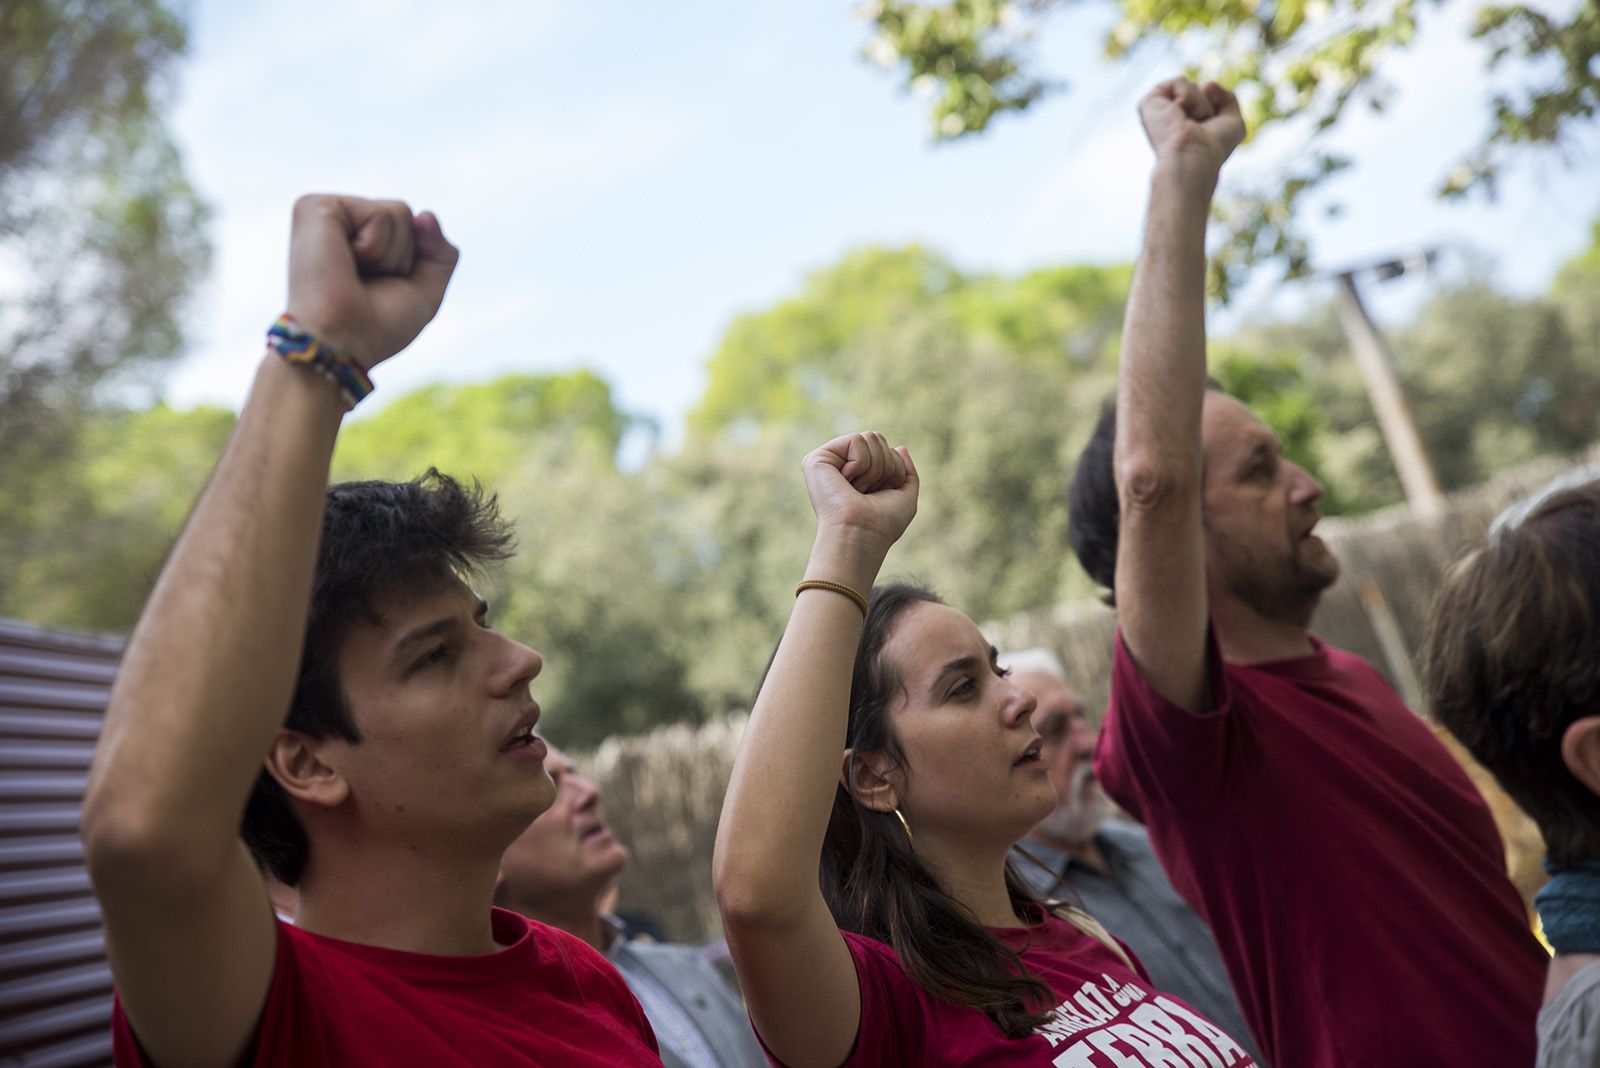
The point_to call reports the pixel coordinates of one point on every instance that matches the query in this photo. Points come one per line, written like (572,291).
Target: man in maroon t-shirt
(405,766)
(1352,875)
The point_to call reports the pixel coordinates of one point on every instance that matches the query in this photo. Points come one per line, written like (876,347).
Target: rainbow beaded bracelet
(298,346)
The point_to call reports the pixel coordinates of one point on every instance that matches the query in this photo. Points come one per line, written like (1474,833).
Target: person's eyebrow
(1261,451)
(962,663)
(420,634)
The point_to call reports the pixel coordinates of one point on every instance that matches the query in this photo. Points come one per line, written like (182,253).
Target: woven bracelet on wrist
(301,347)
(834,587)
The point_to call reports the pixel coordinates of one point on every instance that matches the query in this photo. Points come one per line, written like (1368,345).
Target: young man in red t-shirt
(1351,873)
(407,761)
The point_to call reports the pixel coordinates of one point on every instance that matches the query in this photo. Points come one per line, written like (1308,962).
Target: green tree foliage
(737,511)
(771,365)
(1301,64)
(1072,312)
(485,430)
(101,236)
(93,200)
(84,553)
(994,437)
(789,363)
(993,381)
(1497,380)
(1576,292)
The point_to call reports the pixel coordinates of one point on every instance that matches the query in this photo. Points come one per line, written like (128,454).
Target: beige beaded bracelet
(833,587)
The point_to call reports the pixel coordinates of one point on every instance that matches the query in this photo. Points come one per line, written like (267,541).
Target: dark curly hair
(380,540)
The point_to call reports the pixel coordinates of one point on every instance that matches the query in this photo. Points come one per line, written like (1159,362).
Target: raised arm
(208,673)
(798,979)
(1160,579)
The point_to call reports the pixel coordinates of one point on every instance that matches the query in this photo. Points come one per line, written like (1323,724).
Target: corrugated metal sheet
(55,987)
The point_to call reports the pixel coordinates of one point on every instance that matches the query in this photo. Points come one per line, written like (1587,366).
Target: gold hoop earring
(903,824)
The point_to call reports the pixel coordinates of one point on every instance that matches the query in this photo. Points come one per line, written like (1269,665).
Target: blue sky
(624,179)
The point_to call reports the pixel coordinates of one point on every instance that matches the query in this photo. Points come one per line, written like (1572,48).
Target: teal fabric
(1569,907)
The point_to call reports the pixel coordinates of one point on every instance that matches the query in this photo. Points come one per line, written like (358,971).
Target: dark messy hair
(1513,658)
(381,542)
(875,885)
(1094,514)
(1094,511)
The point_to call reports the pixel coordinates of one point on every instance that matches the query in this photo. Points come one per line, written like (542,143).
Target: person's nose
(518,665)
(1083,737)
(1304,488)
(585,793)
(1020,706)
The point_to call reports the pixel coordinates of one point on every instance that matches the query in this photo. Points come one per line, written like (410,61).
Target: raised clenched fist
(860,486)
(365,276)
(1193,127)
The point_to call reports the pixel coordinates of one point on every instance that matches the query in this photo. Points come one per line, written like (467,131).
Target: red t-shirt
(1349,869)
(1107,1015)
(546,999)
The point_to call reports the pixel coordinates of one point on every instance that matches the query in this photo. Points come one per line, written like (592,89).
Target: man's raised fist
(365,276)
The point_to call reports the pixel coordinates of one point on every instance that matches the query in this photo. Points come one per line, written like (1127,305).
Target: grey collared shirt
(698,1018)
(1135,902)
(1569,1027)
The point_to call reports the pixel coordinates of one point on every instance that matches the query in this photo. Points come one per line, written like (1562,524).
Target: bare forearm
(1161,380)
(769,840)
(208,674)
(1160,582)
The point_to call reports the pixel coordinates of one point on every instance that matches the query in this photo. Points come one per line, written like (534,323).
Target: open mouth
(523,738)
(1029,755)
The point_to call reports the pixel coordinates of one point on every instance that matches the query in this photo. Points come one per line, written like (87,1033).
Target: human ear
(300,766)
(872,779)
(1580,751)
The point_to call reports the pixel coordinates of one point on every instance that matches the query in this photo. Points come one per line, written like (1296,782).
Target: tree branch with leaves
(1297,65)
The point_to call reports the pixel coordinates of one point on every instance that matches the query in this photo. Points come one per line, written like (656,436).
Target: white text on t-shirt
(1157,1033)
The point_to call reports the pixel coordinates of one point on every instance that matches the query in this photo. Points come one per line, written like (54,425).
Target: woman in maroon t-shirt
(918,946)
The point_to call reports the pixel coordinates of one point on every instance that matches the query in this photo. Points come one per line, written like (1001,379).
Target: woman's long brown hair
(875,885)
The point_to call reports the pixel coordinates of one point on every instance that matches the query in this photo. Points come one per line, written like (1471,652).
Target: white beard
(1079,814)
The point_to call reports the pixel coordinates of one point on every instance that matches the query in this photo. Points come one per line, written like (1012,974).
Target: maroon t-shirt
(1349,869)
(546,999)
(1107,1016)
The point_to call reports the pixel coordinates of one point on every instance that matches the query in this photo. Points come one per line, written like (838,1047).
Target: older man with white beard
(1080,854)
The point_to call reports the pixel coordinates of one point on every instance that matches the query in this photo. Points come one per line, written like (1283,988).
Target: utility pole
(1399,428)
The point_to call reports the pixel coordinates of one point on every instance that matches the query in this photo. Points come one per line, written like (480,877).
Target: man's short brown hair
(1513,658)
